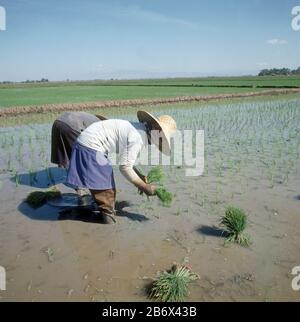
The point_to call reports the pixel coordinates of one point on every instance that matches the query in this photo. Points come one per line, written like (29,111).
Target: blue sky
(76,39)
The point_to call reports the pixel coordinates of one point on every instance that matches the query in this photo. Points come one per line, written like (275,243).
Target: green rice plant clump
(37,199)
(164,195)
(172,286)
(235,221)
(155,175)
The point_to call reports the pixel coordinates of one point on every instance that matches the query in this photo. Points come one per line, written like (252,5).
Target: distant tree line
(279,71)
(43,80)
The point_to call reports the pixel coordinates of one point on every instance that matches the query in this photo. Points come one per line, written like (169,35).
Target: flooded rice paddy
(251,161)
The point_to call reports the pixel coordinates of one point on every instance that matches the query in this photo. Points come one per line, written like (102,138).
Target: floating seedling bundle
(235,221)
(37,199)
(172,286)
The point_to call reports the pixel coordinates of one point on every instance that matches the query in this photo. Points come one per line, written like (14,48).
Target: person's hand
(144,178)
(149,189)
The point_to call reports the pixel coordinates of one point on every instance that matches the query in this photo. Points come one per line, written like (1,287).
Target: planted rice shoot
(235,221)
(172,286)
(37,199)
(31,177)
(164,196)
(17,178)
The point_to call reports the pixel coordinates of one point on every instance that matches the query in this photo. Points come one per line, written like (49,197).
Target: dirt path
(20,110)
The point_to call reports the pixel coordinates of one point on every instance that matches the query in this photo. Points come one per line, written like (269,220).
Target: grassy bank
(14,95)
(121,112)
(46,108)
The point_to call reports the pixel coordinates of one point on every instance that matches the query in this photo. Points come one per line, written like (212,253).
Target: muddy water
(48,258)
(95,262)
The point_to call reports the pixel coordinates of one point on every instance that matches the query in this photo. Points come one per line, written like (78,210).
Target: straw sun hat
(164,126)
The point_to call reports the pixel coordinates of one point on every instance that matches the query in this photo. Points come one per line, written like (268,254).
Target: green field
(89,91)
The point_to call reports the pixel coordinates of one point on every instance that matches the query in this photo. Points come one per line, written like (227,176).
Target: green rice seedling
(30,140)
(3,142)
(32,177)
(164,196)
(50,175)
(155,175)
(37,199)
(235,221)
(19,154)
(172,286)
(12,141)
(178,212)
(9,161)
(17,178)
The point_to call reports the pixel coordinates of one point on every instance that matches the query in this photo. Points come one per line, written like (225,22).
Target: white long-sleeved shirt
(117,136)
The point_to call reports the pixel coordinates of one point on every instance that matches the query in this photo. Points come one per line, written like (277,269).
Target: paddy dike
(33,109)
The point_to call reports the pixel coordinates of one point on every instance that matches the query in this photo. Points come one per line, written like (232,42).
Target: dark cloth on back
(65,131)
(78,121)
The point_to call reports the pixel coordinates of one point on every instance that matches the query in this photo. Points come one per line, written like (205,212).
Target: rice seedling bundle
(37,199)
(235,221)
(164,196)
(172,286)
(155,175)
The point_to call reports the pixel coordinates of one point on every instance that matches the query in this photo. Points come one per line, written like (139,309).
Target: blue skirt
(90,169)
